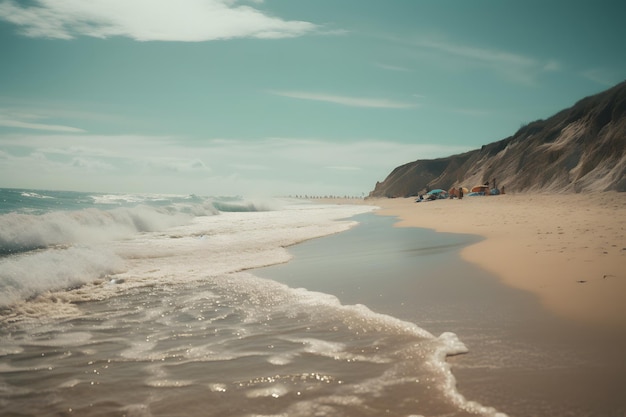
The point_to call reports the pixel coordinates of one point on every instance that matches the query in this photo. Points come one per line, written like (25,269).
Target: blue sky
(278,97)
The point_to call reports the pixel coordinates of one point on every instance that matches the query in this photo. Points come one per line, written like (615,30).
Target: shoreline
(522,360)
(569,250)
(540,342)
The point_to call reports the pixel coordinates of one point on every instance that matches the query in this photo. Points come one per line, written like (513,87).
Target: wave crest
(26,232)
(53,270)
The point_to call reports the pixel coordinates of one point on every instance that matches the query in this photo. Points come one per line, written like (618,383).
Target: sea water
(148,305)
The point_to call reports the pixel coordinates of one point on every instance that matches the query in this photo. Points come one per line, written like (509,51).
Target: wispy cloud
(392,67)
(492,56)
(148,20)
(603,76)
(178,165)
(91,164)
(507,64)
(381,103)
(30,121)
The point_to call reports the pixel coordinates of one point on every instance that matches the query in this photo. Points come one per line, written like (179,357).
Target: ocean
(151,305)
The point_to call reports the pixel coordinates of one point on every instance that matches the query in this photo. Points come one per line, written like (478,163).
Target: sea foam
(143,244)
(25,232)
(171,299)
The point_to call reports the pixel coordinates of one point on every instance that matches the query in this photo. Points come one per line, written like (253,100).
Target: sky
(282,97)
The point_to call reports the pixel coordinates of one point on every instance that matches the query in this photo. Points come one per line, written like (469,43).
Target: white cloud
(552,65)
(176,165)
(492,56)
(91,164)
(81,150)
(149,20)
(457,56)
(381,103)
(212,166)
(28,121)
(250,167)
(392,67)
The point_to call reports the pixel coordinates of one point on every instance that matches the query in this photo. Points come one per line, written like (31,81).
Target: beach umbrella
(480,189)
(436,191)
(437,194)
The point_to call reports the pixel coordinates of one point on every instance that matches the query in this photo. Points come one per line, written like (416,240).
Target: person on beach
(460,193)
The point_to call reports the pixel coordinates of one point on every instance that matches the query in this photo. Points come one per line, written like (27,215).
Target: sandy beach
(569,250)
(545,323)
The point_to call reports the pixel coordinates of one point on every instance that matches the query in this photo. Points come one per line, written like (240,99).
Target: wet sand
(527,357)
(569,250)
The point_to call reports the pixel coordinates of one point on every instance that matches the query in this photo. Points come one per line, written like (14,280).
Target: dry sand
(568,249)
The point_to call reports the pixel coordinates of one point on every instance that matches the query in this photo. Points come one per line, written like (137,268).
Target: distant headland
(579,149)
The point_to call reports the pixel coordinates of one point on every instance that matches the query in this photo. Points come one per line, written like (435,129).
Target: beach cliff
(579,149)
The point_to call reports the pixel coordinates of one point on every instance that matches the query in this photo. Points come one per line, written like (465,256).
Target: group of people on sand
(460,192)
(456,193)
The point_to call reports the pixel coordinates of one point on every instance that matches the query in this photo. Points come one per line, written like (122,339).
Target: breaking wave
(27,232)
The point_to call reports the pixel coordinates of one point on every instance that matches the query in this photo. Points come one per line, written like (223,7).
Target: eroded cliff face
(579,149)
